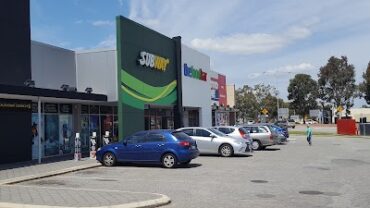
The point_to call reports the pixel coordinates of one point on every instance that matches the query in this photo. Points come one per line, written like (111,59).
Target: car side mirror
(213,136)
(125,142)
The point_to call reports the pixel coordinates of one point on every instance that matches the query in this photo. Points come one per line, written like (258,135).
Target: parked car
(310,121)
(291,123)
(282,133)
(166,147)
(239,132)
(212,141)
(261,136)
(283,123)
(251,122)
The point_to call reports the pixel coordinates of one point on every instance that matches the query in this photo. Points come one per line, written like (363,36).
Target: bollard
(93,146)
(77,147)
(106,138)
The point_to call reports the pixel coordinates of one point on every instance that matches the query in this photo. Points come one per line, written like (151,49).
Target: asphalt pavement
(334,172)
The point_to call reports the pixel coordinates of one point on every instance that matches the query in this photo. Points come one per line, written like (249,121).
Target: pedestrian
(309,134)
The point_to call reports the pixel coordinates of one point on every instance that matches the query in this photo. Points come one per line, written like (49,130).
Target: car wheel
(256,145)
(169,160)
(109,159)
(226,150)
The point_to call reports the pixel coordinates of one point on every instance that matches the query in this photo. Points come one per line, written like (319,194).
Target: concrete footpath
(12,194)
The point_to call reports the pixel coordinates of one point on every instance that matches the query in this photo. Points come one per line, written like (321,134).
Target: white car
(236,131)
(212,141)
(310,121)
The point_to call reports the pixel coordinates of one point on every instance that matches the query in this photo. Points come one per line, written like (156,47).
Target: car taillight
(242,133)
(271,137)
(185,144)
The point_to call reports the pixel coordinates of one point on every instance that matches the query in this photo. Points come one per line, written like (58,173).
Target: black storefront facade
(21,102)
(38,123)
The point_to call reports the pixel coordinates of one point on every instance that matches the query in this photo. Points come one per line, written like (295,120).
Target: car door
(155,144)
(264,135)
(206,144)
(132,148)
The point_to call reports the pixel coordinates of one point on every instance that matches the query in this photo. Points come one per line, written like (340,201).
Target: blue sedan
(166,147)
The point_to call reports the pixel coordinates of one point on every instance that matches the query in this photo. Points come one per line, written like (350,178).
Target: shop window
(193,118)
(85,133)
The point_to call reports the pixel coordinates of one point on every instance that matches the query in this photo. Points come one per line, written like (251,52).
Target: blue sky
(250,41)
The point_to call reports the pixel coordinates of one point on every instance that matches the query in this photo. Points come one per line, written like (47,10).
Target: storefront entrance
(159,118)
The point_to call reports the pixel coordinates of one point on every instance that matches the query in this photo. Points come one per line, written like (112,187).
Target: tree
(250,101)
(303,91)
(246,102)
(365,85)
(337,83)
(266,96)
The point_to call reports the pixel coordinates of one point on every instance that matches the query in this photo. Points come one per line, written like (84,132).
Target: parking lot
(334,172)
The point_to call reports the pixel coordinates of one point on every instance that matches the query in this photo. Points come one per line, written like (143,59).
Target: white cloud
(100,23)
(254,43)
(284,70)
(240,43)
(108,42)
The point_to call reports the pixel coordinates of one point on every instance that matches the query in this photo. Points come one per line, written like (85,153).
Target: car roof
(254,125)
(233,127)
(156,131)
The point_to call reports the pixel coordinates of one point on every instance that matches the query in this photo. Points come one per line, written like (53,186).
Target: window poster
(36,133)
(66,140)
(85,133)
(51,135)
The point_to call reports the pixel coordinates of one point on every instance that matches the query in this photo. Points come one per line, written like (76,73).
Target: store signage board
(14,106)
(194,73)
(65,108)
(153,61)
(50,108)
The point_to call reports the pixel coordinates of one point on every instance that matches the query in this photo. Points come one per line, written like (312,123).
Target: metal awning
(49,95)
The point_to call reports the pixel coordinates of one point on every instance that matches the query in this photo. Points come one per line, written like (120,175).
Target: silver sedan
(212,141)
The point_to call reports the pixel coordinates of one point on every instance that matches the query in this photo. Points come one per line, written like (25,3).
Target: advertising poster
(35,137)
(65,134)
(85,133)
(51,135)
(222,90)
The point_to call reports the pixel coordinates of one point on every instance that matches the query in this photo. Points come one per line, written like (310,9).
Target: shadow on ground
(144,165)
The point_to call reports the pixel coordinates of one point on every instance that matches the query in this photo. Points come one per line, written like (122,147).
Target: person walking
(309,135)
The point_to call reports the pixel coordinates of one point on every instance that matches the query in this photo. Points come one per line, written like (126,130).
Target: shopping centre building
(150,81)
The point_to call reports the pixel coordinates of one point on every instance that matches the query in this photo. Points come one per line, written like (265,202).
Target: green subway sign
(147,73)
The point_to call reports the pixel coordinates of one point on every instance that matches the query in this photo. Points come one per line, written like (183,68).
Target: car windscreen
(181,136)
(217,132)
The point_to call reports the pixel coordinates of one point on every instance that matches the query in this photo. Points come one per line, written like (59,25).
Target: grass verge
(292,132)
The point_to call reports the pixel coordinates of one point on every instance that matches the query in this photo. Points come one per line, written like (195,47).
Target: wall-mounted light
(64,87)
(88,90)
(29,83)
(72,89)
